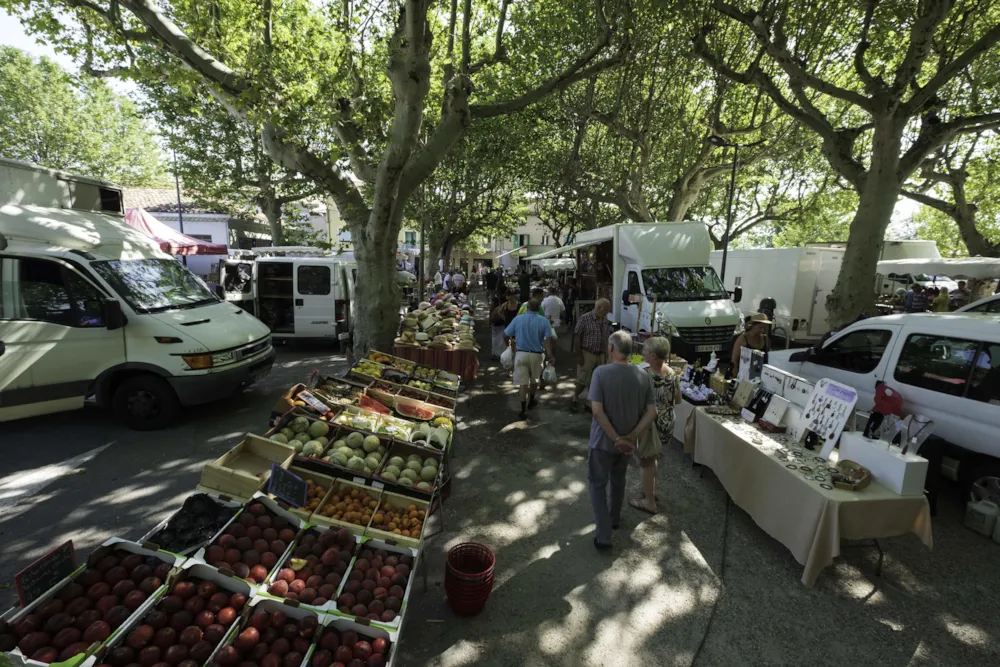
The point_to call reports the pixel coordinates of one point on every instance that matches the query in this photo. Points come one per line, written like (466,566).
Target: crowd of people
(631,406)
(920,299)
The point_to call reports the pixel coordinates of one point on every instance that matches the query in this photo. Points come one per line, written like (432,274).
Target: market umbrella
(170,240)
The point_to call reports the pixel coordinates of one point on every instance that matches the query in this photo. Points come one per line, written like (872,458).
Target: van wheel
(145,403)
(982,479)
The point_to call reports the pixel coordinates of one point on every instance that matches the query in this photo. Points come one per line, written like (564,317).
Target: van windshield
(154,285)
(685,283)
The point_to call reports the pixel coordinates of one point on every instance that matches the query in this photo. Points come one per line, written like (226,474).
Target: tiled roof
(162,200)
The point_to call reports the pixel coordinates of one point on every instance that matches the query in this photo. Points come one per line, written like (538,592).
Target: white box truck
(91,308)
(800,279)
(642,266)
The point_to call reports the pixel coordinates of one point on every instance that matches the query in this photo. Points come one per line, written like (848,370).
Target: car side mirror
(114,318)
(737,294)
(220,292)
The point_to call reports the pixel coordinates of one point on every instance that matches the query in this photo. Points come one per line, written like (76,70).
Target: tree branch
(349,135)
(872,84)
(921,37)
(945,74)
(499,50)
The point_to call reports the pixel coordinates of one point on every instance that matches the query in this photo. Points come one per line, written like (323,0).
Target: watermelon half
(414,412)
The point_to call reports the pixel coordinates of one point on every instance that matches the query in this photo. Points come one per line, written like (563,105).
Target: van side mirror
(737,294)
(220,292)
(114,318)
(803,355)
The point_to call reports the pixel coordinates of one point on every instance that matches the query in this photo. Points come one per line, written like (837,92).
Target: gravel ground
(520,487)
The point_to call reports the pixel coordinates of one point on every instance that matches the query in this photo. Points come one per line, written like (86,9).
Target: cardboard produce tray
(331,604)
(288,607)
(404,450)
(374,545)
(88,658)
(246,468)
(321,519)
(366,630)
(399,500)
(149,539)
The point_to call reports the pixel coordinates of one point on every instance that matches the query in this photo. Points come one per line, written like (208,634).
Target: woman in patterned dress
(667,388)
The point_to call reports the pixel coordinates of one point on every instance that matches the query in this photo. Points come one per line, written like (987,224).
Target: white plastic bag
(549,374)
(507,358)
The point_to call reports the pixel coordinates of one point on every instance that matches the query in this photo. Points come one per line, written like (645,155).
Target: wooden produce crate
(298,553)
(328,512)
(245,469)
(404,450)
(399,501)
(293,611)
(369,548)
(365,630)
(324,482)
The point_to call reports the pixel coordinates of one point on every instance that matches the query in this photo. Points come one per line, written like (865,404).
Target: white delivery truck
(298,292)
(91,308)
(799,280)
(665,266)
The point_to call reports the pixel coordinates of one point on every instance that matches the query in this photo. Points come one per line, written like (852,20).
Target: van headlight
(223,358)
(200,362)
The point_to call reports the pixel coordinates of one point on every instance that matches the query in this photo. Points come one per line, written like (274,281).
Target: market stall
(317,526)
(788,492)
(439,335)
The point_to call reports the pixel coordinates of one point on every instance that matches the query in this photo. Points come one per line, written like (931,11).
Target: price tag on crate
(33,581)
(313,402)
(287,486)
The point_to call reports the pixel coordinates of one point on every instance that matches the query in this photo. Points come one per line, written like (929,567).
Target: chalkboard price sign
(33,581)
(290,488)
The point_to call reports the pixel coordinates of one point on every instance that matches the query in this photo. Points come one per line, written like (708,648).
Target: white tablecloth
(789,503)
(681,413)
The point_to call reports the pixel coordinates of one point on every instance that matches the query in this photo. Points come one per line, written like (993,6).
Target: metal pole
(180,215)
(729,216)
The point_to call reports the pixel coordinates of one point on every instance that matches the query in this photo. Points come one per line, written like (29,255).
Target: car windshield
(154,285)
(687,283)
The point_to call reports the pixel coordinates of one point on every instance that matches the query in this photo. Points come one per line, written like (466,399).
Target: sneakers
(532,403)
(522,415)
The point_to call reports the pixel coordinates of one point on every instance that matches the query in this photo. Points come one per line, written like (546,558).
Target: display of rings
(819,459)
(819,478)
(785,450)
(807,468)
(798,455)
(792,466)
(827,487)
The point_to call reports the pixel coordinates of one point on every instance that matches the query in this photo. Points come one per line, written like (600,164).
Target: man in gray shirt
(624,406)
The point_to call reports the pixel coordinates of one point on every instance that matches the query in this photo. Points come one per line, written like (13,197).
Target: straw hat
(759,318)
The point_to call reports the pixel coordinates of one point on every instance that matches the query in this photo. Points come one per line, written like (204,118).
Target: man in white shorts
(533,340)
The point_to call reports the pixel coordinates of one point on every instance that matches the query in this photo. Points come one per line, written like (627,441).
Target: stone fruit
(405,521)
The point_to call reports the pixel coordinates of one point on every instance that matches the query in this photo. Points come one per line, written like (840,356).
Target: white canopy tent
(555,264)
(983,268)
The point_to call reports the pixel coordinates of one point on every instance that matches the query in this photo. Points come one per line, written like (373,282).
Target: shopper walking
(500,318)
(590,344)
(532,336)
(916,300)
(942,302)
(667,392)
(553,306)
(623,407)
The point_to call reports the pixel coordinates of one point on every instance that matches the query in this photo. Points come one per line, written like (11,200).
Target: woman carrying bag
(502,316)
(667,390)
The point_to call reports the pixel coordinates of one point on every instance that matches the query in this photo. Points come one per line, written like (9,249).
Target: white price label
(313,402)
(377,485)
(359,480)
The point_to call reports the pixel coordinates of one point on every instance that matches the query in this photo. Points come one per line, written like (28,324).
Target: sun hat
(760,318)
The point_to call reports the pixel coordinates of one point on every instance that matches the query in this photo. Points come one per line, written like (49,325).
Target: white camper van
(91,308)
(665,266)
(297,292)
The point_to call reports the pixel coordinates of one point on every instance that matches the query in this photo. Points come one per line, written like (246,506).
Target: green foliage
(933,225)
(52,119)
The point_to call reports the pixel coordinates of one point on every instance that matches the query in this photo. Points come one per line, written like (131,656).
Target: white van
(637,265)
(946,367)
(296,292)
(90,307)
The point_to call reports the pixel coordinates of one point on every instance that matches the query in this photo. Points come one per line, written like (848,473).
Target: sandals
(637,504)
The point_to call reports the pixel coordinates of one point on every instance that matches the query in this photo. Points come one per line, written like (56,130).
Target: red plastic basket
(468,578)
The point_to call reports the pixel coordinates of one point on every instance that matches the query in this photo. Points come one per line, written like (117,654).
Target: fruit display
(404,365)
(399,519)
(309,438)
(376,585)
(269,637)
(348,647)
(414,470)
(360,420)
(440,401)
(446,383)
(395,428)
(410,411)
(350,504)
(316,567)
(419,384)
(357,451)
(387,387)
(395,375)
(433,436)
(88,609)
(367,368)
(424,373)
(193,524)
(380,357)
(252,544)
(444,422)
(183,628)
(314,495)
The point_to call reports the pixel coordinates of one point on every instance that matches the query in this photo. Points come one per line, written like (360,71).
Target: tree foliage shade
(51,118)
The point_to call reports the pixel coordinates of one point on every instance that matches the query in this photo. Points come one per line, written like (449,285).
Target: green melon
(316,429)
(299,424)
(415,466)
(428,473)
(280,437)
(408,474)
(371,444)
(389,476)
(394,470)
(356,463)
(397,461)
(355,440)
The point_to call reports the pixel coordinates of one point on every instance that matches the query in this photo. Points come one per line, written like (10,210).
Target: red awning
(170,240)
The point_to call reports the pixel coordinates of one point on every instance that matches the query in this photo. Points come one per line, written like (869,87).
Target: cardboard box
(148,540)
(190,569)
(341,486)
(291,609)
(904,474)
(390,538)
(373,545)
(245,469)
(89,657)
(366,629)
(329,606)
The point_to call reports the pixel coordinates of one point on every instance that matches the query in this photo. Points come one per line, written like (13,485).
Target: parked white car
(990,304)
(945,365)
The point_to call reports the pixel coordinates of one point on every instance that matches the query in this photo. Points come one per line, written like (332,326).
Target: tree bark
(855,292)
(377,294)
(271,208)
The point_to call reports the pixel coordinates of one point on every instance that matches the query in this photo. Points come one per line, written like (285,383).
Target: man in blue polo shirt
(532,336)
